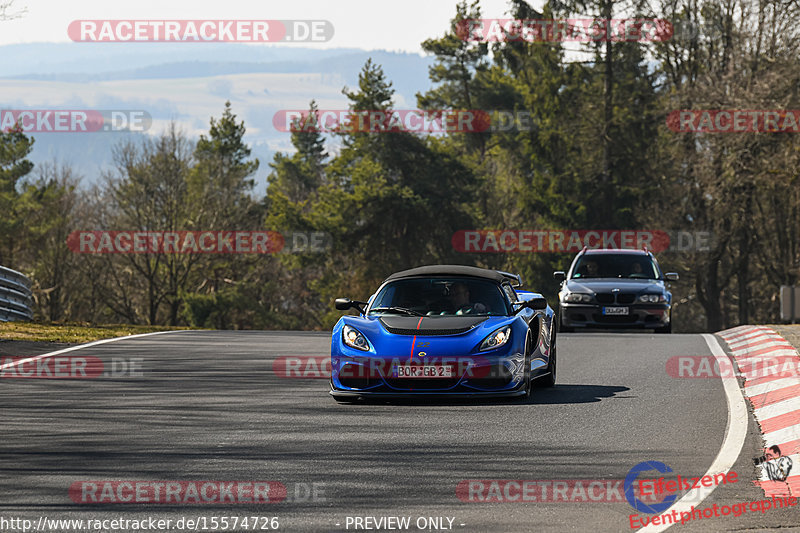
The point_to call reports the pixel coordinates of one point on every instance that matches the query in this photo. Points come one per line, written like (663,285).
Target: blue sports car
(444,330)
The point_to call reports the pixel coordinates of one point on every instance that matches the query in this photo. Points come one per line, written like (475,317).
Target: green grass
(71,333)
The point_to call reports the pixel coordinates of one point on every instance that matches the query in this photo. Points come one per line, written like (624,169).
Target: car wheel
(527,376)
(564,329)
(665,329)
(668,327)
(550,379)
(528,369)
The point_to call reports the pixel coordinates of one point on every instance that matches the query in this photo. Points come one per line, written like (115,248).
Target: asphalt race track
(206,405)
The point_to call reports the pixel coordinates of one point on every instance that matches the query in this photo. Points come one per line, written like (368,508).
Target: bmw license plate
(423,371)
(615,310)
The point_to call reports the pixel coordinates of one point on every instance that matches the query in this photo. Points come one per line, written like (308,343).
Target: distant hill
(188,83)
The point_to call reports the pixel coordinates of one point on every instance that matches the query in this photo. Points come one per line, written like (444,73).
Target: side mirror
(537,304)
(671,276)
(559,275)
(344,304)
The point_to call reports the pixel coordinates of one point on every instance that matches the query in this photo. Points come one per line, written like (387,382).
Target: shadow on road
(564,394)
(560,394)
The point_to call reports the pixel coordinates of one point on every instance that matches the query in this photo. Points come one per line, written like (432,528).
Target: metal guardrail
(790,303)
(16,299)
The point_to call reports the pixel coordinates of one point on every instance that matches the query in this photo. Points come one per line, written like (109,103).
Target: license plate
(615,310)
(423,371)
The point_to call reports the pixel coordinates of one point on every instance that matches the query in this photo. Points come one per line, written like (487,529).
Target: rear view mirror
(671,276)
(559,275)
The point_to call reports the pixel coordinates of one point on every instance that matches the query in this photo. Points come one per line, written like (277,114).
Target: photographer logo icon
(774,465)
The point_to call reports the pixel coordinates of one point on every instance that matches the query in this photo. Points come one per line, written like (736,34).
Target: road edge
(18,362)
(732,443)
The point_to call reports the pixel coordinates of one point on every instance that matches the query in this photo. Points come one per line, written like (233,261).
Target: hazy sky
(368,24)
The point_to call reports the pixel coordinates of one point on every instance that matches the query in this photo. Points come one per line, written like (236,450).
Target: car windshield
(440,297)
(615,266)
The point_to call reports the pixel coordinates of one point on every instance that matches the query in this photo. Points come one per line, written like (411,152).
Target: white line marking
(735,433)
(755,332)
(769,347)
(771,386)
(782,436)
(756,335)
(753,337)
(777,349)
(81,346)
(774,371)
(756,341)
(777,409)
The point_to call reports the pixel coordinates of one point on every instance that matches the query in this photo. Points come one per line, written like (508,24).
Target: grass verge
(71,333)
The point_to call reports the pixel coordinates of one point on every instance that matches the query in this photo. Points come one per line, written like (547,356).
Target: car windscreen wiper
(397,309)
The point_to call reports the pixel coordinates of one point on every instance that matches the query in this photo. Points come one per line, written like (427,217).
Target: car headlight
(353,338)
(652,298)
(498,338)
(577,298)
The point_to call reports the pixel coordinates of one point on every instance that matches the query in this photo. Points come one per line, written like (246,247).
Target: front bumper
(472,376)
(426,394)
(644,316)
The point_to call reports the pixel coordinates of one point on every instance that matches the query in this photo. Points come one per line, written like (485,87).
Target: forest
(602,154)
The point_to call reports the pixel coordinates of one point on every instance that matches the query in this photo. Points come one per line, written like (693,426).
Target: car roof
(600,251)
(454,270)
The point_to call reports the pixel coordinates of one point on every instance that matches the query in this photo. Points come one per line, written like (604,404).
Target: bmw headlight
(577,298)
(652,298)
(353,338)
(498,338)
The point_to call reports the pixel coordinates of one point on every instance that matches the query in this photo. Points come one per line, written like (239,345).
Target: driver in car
(460,300)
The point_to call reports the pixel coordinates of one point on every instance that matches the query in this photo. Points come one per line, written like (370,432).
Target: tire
(528,379)
(549,380)
(667,328)
(564,329)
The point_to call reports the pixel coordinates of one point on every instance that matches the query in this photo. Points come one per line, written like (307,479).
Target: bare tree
(741,186)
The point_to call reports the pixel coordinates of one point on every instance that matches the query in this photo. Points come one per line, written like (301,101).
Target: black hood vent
(430,326)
